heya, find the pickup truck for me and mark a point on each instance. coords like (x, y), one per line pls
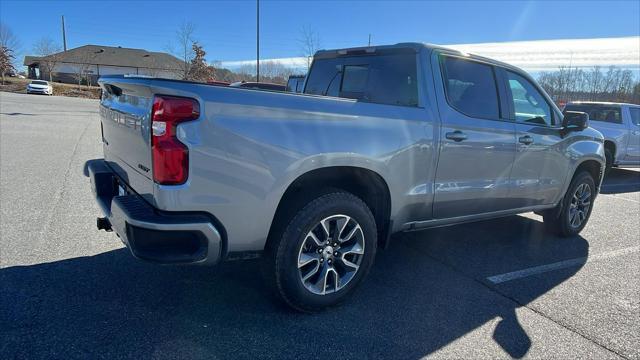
(620, 125)
(384, 139)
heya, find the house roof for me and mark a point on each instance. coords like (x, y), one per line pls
(114, 56)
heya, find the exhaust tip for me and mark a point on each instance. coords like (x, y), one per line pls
(103, 224)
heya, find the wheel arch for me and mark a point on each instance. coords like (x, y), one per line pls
(611, 145)
(593, 167)
(366, 184)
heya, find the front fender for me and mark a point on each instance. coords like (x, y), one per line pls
(587, 145)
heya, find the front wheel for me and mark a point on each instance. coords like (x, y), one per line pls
(323, 253)
(575, 208)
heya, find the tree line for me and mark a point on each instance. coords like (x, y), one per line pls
(595, 84)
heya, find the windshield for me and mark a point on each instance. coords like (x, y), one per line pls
(36, 82)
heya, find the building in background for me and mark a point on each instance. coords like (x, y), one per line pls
(85, 64)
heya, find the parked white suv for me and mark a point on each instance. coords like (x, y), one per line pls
(39, 87)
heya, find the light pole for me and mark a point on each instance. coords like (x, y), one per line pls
(258, 40)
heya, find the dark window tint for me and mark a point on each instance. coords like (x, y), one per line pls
(324, 77)
(471, 88)
(382, 79)
(598, 112)
(355, 78)
(635, 115)
(528, 103)
(291, 84)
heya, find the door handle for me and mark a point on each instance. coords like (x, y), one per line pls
(456, 136)
(527, 140)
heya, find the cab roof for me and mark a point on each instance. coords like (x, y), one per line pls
(402, 47)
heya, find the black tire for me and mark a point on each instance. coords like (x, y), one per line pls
(558, 221)
(608, 154)
(283, 251)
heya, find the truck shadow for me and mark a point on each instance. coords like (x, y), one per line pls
(424, 292)
(621, 181)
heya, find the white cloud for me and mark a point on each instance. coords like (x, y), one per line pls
(533, 56)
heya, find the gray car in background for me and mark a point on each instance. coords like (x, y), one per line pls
(384, 139)
(620, 125)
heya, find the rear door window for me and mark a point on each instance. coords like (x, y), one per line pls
(471, 88)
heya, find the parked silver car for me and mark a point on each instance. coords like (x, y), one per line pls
(384, 139)
(620, 125)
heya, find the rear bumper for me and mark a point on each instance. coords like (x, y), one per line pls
(151, 234)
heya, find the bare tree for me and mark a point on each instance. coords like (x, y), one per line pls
(275, 72)
(309, 43)
(49, 53)
(246, 72)
(183, 47)
(567, 84)
(6, 61)
(11, 42)
(8, 39)
(82, 70)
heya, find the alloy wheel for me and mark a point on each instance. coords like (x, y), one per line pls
(330, 254)
(580, 205)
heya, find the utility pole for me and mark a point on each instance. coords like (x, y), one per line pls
(369, 40)
(64, 35)
(258, 40)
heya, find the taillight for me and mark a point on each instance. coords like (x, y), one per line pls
(170, 156)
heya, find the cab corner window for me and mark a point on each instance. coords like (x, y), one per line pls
(529, 105)
(471, 88)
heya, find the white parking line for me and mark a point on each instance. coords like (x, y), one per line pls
(497, 279)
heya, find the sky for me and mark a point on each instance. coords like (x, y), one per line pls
(227, 30)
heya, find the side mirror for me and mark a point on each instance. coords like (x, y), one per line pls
(575, 121)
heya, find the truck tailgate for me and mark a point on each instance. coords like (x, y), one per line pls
(125, 111)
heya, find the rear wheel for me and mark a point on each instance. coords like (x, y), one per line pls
(575, 208)
(324, 252)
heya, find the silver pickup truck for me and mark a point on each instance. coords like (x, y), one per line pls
(384, 139)
(620, 125)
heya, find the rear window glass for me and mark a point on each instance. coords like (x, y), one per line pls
(471, 87)
(382, 79)
(597, 112)
(355, 78)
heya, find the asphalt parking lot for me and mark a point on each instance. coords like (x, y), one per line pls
(494, 289)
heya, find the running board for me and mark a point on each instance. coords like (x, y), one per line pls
(419, 225)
